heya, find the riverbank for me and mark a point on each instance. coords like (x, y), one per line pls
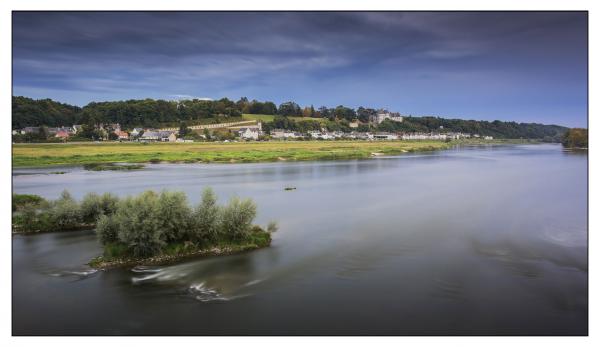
(40, 155)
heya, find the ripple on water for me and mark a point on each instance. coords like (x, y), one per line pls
(78, 274)
(201, 292)
(145, 269)
(159, 275)
(565, 236)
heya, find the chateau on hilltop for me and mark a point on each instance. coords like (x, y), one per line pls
(382, 115)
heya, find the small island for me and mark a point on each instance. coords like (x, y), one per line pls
(151, 228)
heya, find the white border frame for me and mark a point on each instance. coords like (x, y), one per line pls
(7, 6)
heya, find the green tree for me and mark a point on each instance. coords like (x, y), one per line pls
(140, 224)
(206, 218)
(175, 215)
(237, 217)
(289, 109)
(65, 212)
(91, 207)
(107, 229)
(575, 138)
(183, 129)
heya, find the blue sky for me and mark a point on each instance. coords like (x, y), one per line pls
(522, 66)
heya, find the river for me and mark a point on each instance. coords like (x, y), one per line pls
(476, 241)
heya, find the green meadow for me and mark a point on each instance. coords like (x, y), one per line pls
(37, 155)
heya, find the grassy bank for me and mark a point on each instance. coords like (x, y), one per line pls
(36, 155)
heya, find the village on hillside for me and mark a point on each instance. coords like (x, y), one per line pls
(248, 130)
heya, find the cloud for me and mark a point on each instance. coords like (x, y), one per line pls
(314, 57)
(180, 96)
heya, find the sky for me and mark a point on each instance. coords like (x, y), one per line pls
(519, 66)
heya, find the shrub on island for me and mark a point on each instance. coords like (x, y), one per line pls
(61, 214)
(150, 224)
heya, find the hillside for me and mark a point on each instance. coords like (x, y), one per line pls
(28, 112)
(164, 113)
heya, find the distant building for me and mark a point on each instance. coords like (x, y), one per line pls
(150, 136)
(488, 137)
(136, 131)
(113, 126)
(30, 130)
(358, 135)
(322, 135)
(382, 115)
(424, 136)
(385, 136)
(456, 136)
(249, 133)
(52, 131)
(284, 134)
(122, 135)
(63, 134)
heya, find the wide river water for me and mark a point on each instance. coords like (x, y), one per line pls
(481, 240)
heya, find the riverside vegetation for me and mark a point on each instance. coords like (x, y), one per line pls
(149, 228)
(37, 155)
(576, 138)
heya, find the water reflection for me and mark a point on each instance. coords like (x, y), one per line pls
(489, 240)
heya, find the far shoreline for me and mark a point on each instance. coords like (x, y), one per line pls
(45, 155)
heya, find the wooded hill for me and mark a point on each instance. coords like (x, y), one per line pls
(156, 113)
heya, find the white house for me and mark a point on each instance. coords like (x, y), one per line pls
(249, 133)
(164, 136)
(424, 136)
(135, 132)
(284, 134)
(278, 133)
(385, 136)
(150, 136)
(383, 115)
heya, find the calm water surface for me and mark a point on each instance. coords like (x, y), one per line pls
(487, 240)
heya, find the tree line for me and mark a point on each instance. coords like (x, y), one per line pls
(497, 129)
(157, 113)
